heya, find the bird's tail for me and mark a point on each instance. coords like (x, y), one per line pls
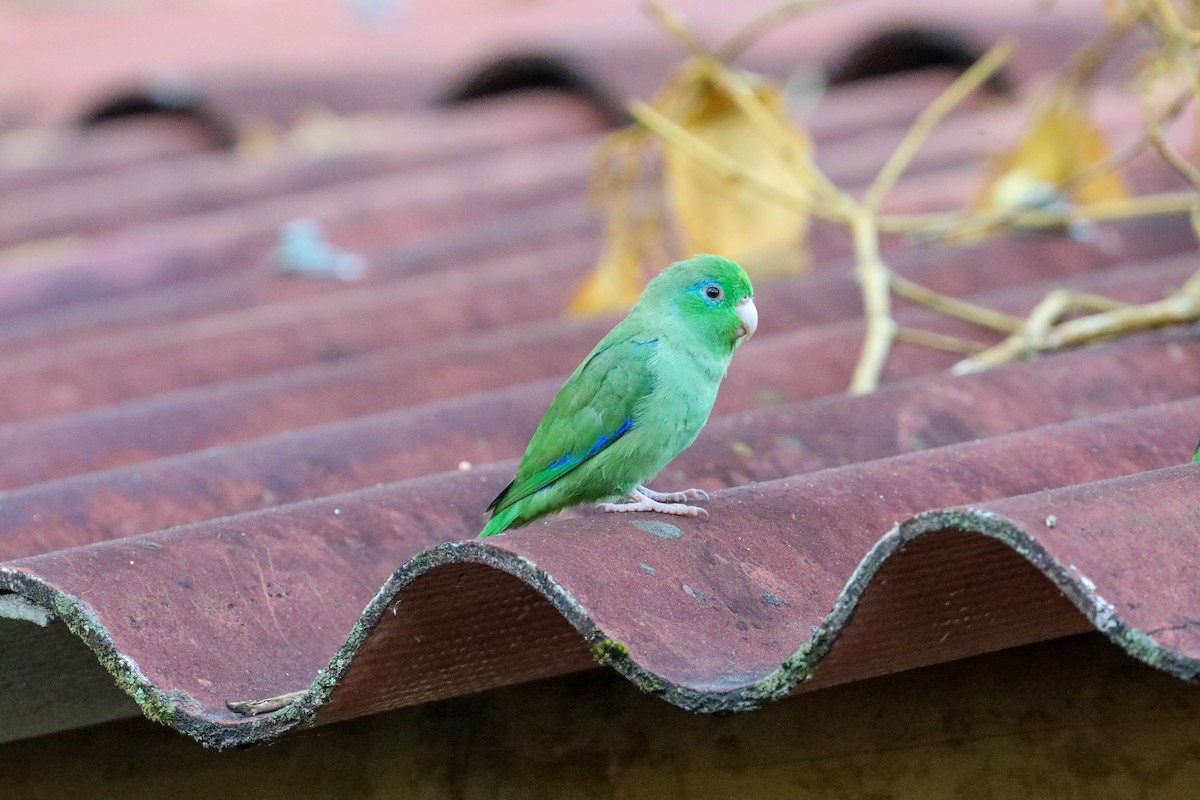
(500, 521)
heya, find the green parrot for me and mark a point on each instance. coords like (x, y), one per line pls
(637, 400)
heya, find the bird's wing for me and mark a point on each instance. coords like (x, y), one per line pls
(595, 407)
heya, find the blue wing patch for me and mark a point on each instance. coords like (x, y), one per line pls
(604, 441)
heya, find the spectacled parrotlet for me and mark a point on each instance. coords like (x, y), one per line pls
(638, 399)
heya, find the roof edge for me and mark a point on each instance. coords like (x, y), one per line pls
(183, 713)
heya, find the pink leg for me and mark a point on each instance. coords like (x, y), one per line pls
(639, 500)
(674, 497)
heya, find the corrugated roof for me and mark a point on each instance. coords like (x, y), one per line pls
(254, 497)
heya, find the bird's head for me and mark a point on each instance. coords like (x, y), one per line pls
(709, 294)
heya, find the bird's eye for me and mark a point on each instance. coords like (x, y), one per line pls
(714, 292)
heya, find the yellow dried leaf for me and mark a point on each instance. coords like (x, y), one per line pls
(1108, 185)
(714, 214)
(613, 285)
(1062, 142)
(719, 214)
(617, 279)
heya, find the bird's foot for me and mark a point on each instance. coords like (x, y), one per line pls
(638, 500)
(673, 497)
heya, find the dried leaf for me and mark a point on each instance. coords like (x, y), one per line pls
(717, 214)
(613, 285)
(1060, 144)
(740, 116)
(616, 281)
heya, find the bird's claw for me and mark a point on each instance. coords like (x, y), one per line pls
(643, 499)
(673, 497)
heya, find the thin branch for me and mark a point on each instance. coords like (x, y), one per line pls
(1169, 154)
(938, 341)
(649, 117)
(1180, 308)
(1171, 23)
(874, 280)
(949, 224)
(676, 26)
(753, 30)
(1110, 163)
(955, 93)
(1009, 350)
(951, 306)
(756, 111)
(1150, 205)
(1177, 309)
(1085, 62)
(1118, 159)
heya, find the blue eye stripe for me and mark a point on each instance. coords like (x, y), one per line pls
(699, 286)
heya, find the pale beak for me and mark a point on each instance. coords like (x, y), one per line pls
(748, 314)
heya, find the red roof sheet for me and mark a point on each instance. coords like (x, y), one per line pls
(248, 493)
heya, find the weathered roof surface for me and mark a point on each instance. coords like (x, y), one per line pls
(254, 497)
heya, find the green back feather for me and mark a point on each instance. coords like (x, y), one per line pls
(586, 416)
